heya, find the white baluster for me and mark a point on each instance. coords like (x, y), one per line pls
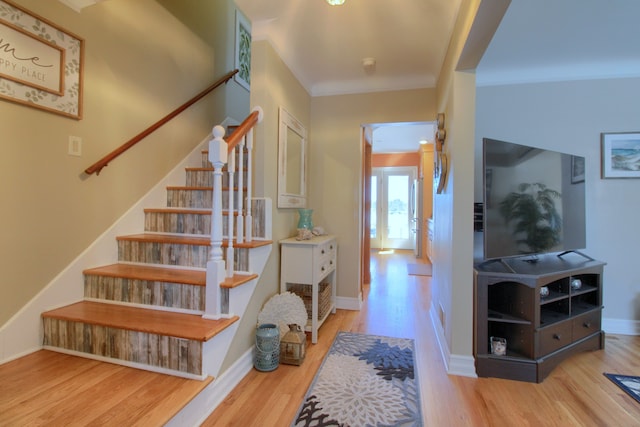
(231, 168)
(240, 218)
(248, 219)
(215, 264)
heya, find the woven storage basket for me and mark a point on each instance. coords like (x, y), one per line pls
(324, 297)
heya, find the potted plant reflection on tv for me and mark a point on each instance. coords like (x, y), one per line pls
(532, 211)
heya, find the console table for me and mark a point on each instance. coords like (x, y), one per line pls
(305, 265)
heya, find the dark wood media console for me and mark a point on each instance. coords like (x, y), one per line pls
(546, 310)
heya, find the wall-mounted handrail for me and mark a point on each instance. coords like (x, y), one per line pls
(97, 167)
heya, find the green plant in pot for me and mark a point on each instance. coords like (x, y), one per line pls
(532, 211)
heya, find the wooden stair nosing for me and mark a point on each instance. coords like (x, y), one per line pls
(192, 211)
(196, 188)
(188, 240)
(237, 280)
(150, 273)
(166, 323)
(165, 275)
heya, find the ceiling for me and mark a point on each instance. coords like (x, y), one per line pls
(541, 40)
(324, 45)
(552, 40)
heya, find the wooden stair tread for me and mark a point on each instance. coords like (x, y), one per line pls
(193, 211)
(237, 280)
(46, 387)
(197, 188)
(192, 187)
(197, 211)
(199, 169)
(188, 240)
(179, 325)
(155, 274)
(167, 238)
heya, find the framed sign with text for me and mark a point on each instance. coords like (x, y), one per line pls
(40, 63)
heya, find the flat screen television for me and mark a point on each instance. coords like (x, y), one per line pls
(534, 201)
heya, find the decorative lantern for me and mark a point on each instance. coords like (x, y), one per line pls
(293, 346)
(267, 345)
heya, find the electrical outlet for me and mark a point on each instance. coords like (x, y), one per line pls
(75, 146)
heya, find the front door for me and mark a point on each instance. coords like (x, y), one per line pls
(391, 207)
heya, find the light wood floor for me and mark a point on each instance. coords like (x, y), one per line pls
(576, 393)
(78, 392)
(47, 388)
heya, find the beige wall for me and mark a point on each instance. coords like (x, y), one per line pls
(452, 285)
(133, 75)
(335, 164)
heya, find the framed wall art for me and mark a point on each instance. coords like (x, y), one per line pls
(243, 51)
(40, 63)
(577, 169)
(620, 152)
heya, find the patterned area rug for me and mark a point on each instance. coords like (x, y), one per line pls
(630, 384)
(364, 380)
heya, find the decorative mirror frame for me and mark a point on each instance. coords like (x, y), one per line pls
(291, 170)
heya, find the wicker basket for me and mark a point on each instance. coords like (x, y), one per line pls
(324, 297)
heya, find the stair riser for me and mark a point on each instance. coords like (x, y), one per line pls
(145, 292)
(163, 253)
(199, 199)
(204, 178)
(175, 254)
(169, 222)
(137, 347)
(207, 164)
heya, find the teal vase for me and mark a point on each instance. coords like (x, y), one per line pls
(305, 220)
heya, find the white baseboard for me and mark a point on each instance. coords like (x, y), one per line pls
(621, 326)
(203, 405)
(455, 364)
(344, 303)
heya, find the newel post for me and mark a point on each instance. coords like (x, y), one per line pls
(215, 263)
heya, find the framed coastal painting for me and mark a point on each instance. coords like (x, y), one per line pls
(620, 152)
(243, 51)
(40, 63)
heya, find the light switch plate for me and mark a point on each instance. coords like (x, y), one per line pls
(75, 146)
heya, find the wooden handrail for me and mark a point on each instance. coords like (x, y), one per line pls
(97, 167)
(243, 128)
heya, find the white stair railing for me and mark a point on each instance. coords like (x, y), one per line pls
(219, 155)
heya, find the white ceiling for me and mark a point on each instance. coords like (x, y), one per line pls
(555, 40)
(537, 40)
(324, 45)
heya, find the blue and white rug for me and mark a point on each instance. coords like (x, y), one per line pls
(630, 384)
(364, 380)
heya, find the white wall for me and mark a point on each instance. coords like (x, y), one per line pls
(569, 117)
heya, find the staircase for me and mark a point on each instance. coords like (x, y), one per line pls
(149, 310)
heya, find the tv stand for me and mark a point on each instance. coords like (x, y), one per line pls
(560, 255)
(498, 260)
(541, 329)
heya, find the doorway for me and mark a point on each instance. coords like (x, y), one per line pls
(397, 141)
(392, 207)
